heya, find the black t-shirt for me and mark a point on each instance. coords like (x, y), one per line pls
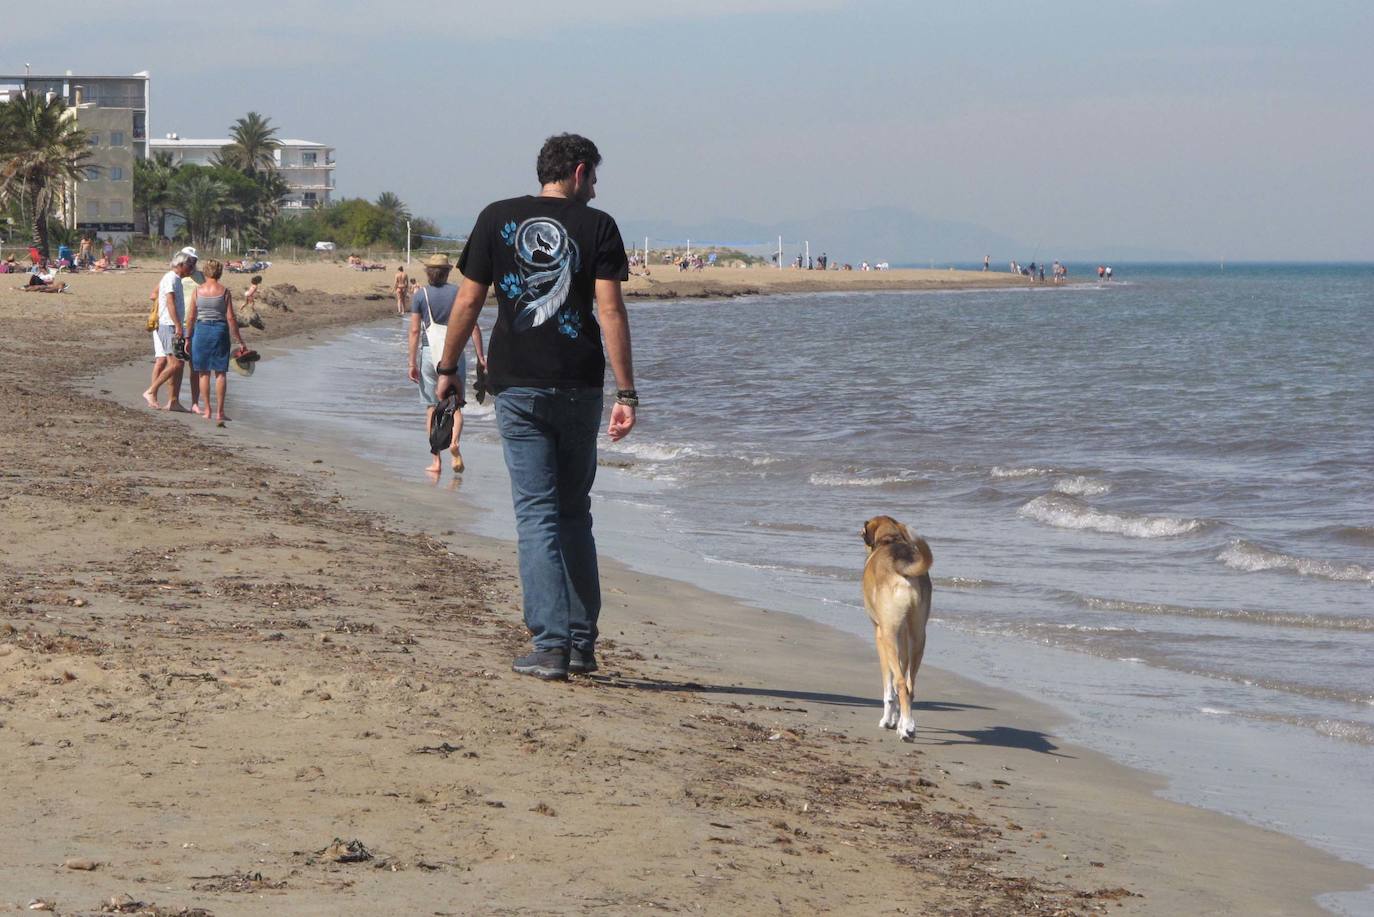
(544, 255)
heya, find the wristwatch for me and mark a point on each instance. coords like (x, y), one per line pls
(446, 370)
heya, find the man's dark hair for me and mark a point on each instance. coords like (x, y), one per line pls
(560, 155)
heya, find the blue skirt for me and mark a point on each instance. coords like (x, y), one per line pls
(210, 347)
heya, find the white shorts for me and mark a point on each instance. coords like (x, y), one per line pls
(162, 341)
(429, 378)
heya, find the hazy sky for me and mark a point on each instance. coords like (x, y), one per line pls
(1220, 128)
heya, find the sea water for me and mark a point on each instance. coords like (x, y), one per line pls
(1151, 501)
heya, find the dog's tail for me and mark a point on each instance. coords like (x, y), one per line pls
(915, 562)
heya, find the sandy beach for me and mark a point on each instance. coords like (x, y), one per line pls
(249, 674)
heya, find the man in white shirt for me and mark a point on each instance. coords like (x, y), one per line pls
(194, 278)
(171, 311)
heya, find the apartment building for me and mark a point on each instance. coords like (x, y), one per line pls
(113, 111)
(129, 92)
(306, 167)
(103, 204)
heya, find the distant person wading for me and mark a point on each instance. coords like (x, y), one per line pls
(430, 308)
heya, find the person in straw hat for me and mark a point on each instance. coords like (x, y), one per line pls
(429, 313)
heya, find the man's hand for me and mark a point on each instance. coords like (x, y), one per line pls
(622, 422)
(444, 387)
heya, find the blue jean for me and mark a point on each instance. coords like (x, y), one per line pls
(549, 439)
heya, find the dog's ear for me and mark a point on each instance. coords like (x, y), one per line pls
(910, 535)
(868, 533)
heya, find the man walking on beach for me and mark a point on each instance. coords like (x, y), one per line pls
(171, 312)
(552, 258)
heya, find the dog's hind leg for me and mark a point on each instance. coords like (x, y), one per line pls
(889, 720)
(918, 652)
(904, 675)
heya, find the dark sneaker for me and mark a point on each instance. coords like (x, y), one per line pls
(551, 665)
(582, 662)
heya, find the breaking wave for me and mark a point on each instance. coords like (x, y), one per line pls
(1067, 513)
(867, 479)
(1030, 471)
(963, 582)
(653, 452)
(1082, 486)
(1239, 615)
(1249, 557)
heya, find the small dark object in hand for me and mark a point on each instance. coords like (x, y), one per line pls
(441, 428)
(179, 349)
(479, 385)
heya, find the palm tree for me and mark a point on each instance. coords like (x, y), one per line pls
(203, 202)
(41, 150)
(252, 145)
(272, 190)
(396, 214)
(153, 188)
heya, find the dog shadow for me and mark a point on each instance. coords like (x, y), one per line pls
(992, 737)
(811, 697)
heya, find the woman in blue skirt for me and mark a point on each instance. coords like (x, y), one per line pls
(210, 322)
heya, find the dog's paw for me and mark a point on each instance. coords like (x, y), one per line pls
(888, 721)
(906, 730)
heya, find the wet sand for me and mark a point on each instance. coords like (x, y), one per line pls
(220, 651)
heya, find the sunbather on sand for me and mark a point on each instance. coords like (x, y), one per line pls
(40, 287)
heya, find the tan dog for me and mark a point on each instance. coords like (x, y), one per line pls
(897, 597)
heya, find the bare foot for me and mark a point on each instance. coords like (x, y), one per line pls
(219, 417)
(175, 407)
(151, 399)
(435, 467)
(195, 409)
(458, 466)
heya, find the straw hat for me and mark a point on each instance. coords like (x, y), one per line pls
(438, 260)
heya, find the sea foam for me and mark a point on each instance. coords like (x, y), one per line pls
(1237, 615)
(1067, 513)
(1249, 557)
(866, 479)
(653, 452)
(999, 471)
(1082, 486)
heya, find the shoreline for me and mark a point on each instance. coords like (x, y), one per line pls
(1021, 751)
(726, 282)
(751, 737)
